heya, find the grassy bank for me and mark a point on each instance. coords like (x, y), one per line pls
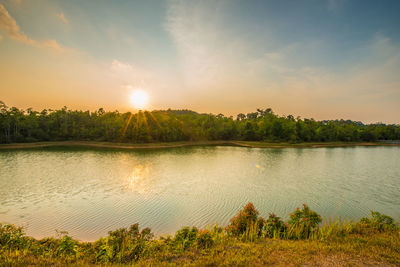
(248, 240)
(253, 144)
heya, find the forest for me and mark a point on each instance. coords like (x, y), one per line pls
(18, 126)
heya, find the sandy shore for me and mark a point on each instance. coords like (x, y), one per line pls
(252, 144)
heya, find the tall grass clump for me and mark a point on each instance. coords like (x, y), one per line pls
(336, 230)
(123, 245)
(303, 223)
(185, 237)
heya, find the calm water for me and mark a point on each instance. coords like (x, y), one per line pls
(89, 192)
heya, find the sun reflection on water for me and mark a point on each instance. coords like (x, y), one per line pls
(139, 180)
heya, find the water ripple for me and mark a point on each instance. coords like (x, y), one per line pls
(89, 193)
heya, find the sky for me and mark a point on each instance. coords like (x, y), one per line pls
(322, 59)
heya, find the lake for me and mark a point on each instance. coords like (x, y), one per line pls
(88, 192)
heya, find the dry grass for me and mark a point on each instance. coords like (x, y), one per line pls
(378, 250)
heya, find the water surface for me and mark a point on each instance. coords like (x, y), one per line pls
(88, 192)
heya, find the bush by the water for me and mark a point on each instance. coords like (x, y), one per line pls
(128, 245)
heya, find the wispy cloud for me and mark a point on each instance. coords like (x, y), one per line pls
(17, 2)
(53, 45)
(62, 17)
(221, 64)
(9, 25)
(368, 87)
(207, 53)
(128, 75)
(121, 67)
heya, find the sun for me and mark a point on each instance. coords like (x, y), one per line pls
(139, 99)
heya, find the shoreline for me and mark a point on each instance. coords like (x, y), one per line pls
(131, 146)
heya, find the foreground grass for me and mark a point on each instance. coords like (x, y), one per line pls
(255, 144)
(248, 240)
(357, 250)
(354, 250)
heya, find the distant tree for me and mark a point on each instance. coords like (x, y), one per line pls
(240, 117)
(17, 125)
(252, 116)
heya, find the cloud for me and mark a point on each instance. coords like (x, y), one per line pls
(52, 44)
(62, 17)
(11, 28)
(9, 25)
(128, 75)
(121, 67)
(208, 54)
(366, 89)
(295, 77)
(17, 2)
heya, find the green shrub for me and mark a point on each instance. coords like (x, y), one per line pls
(303, 223)
(185, 237)
(12, 237)
(123, 245)
(274, 226)
(102, 251)
(66, 247)
(377, 221)
(246, 222)
(204, 239)
(46, 247)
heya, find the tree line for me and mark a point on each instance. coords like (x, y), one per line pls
(17, 125)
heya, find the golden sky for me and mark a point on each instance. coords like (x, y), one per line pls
(325, 59)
